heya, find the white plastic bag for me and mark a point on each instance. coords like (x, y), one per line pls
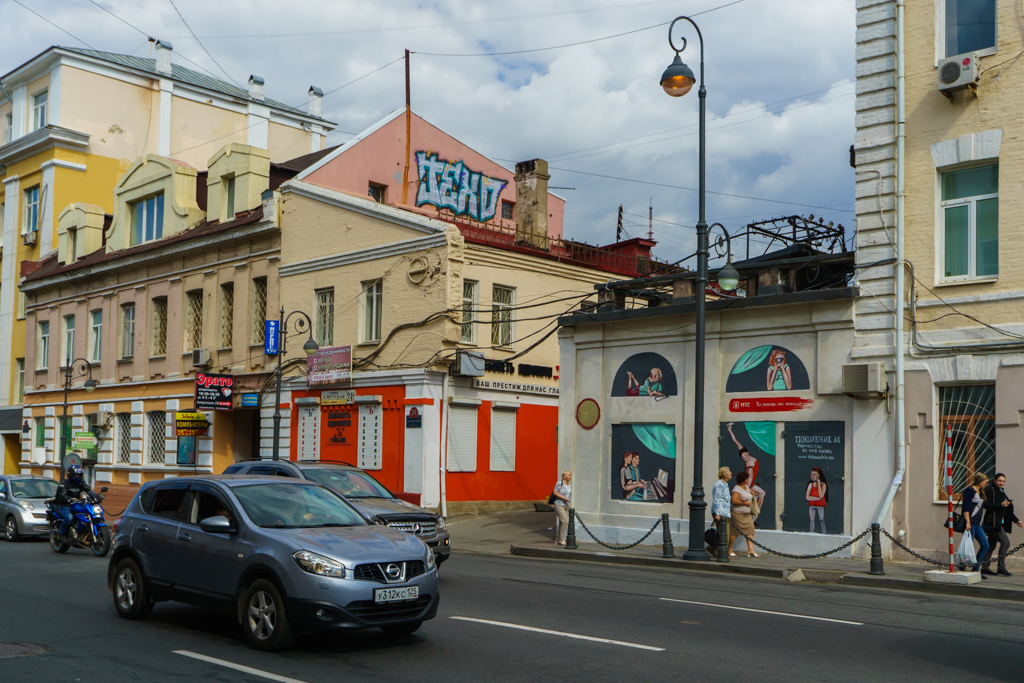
(966, 551)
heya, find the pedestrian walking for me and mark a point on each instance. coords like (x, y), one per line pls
(998, 523)
(720, 498)
(972, 501)
(741, 521)
(563, 499)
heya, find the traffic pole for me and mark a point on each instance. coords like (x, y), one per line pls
(949, 493)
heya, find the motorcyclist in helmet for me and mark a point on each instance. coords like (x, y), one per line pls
(70, 490)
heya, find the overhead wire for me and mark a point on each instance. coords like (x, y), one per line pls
(212, 58)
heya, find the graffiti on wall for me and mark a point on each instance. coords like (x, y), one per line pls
(645, 374)
(643, 463)
(448, 185)
(768, 368)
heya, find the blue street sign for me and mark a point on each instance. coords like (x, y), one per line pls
(270, 337)
(250, 400)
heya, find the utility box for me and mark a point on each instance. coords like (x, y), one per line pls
(957, 73)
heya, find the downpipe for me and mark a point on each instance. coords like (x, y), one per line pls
(443, 456)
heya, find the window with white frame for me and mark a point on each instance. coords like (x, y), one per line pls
(158, 346)
(194, 320)
(147, 216)
(40, 432)
(67, 348)
(127, 330)
(20, 363)
(227, 314)
(970, 222)
(462, 421)
(969, 26)
(502, 300)
(324, 333)
(259, 310)
(22, 305)
(156, 437)
(123, 438)
(95, 336)
(371, 301)
(39, 103)
(30, 216)
(229, 198)
(469, 289)
(8, 128)
(43, 345)
(503, 440)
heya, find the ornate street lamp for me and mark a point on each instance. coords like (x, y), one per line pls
(310, 347)
(83, 370)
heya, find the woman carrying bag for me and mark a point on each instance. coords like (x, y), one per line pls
(973, 501)
(741, 522)
(561, 499)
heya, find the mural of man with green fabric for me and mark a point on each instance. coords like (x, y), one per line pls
(643, 463)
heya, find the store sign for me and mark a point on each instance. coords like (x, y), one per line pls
(270, 337)
(250, 400)
(340, 397)
(515, 387)
(84, 440)
(190, 424)
(213, 392)
(329, 366)
(779, 404)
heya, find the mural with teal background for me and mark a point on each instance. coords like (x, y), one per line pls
(767, 368)
(643, 463)
(750, 446)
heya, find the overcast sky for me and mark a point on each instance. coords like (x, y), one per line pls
(779, 77)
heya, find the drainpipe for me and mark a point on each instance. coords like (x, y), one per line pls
(901, 437)
(443, 456)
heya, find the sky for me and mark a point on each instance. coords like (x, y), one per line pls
(779, 75)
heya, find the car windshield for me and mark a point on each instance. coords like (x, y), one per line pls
(33, 488)
(349, 483)
(287, 505)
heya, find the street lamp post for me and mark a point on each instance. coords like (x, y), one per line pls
(677, 80)
(310, 347)
(84, 370)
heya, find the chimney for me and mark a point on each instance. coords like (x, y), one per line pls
(532, 203)
(256, 87)
(163, 57)
(316, 95)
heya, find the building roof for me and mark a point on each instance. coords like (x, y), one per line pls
(299, 164)
(185, 75)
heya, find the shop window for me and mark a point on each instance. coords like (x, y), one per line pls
(462, 439)
(969, 411)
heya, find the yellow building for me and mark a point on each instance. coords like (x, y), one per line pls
(74, 121)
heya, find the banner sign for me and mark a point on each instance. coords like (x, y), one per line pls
(250, 400)
(270, 337)
(517, 387)
(190, 424)
(330, 365)
(341, 397)
(213, 392)
(84, 440)
(775, 404)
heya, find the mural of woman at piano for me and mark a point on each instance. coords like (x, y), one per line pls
(629, 477)
(651, 480)
(750, 465)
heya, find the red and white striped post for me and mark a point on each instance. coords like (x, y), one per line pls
(949, 493)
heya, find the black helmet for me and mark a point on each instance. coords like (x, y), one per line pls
(75, 471)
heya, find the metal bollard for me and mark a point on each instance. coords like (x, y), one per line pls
(876, 551)
(723, 540)
(666, 538)
(570, 536)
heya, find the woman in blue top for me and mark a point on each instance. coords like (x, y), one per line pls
(973, 501)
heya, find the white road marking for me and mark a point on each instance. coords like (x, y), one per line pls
(238, 667)
(765, 611)
(559, 633)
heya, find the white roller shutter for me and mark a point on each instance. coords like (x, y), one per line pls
(462, 439)
(503, 440)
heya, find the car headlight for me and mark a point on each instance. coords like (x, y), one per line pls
(440, 523)
(318, 564)
(431, 562)
(27, 506)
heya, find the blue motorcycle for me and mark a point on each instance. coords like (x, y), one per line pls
(88, 528)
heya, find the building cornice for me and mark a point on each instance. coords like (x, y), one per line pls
(371, 254)
(41, 140)
(366, 207)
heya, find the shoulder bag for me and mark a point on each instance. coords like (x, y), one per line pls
(959, 523)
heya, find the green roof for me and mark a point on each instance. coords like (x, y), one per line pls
(180, 73)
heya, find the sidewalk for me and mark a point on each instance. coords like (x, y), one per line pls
(529, 534)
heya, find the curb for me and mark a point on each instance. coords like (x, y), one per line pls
(989, 593)
(669, 562)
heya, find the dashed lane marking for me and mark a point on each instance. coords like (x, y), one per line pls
(563, 634)
(238, 667)
(765, 611)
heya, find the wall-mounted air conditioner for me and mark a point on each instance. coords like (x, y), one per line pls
(864, 380)
(29, 238)
(957, 73)
(201, 358)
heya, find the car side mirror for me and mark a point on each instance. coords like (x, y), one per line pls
(103, 490)
(3, 496)
(216, 525)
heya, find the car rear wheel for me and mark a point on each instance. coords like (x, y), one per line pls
(265, 618)
(130, 597)
(11, 530)
(402, 629)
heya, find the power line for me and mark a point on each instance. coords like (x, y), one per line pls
(17, 2)
(201, 44)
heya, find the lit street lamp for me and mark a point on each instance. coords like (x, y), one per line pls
(310, 347)
(84, 370)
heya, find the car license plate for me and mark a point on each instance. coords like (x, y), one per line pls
(396, 594)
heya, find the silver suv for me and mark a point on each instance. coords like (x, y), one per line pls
(283, 555)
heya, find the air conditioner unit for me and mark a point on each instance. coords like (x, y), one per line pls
(104, 419)
(957, 73)
(864, 380)
(201, 358)
(29, 238)
(468, 364)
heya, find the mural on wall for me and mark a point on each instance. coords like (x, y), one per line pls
(643, 463)
(448, 185)
(645, 375)
(768, 368)
(750, 447)
(815, 467)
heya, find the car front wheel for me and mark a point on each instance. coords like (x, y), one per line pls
(265, 618)
(11, 530)
(130, 597)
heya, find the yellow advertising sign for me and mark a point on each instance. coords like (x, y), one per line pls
(190, 424)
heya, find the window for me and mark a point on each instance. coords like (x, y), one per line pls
(501, 316)
(147, 219)
(227, 314)
(229, 198)
(376, 192)
(970, 26)
(156, 437)
(30, 216)
(159, 327)
(167, 501)
(325, 317)
(503, 440)
(43, 345)
(39, 110)
(127, 330)
(468, 304)
(40, 432)
(67, 350)
(20, 363)
(123, 429)
(8, 128)
(72, 250)
(506, 210)
(970, 207)
(194, 320)
(96, 336)
(970, 411)
(22, 305)
(462, 439)
(90, 426)
(259, 310)
(371, 305)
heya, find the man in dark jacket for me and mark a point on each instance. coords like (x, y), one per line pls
(998, 522)
(70, 490)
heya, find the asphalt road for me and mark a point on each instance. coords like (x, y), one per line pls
(689, 626)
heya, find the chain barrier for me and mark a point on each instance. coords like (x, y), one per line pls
(802, 557)
(616, 547)
(917, 555)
